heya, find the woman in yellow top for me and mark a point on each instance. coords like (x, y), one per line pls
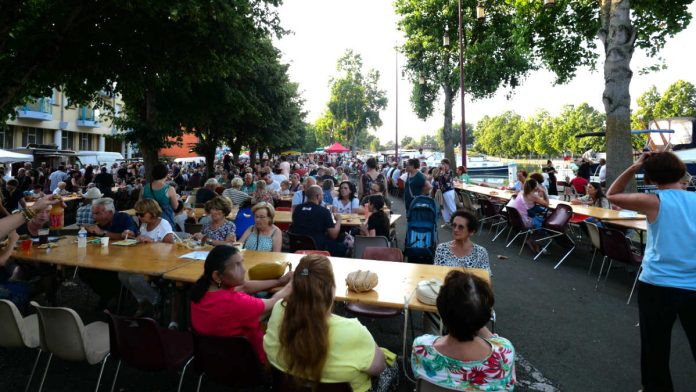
(343, 350)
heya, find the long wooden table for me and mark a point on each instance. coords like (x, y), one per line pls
(66, 199)
(286, 217)
(482, 190)
(397, 281)
(147, 259)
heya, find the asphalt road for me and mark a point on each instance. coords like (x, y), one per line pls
(568, 336)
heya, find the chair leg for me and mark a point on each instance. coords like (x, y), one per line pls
(634, 285)
(48, 364)
(200, 380)
(611, 262)
(113, 383)
(589, 271)
(564, 257)
(183, 372)
(542, 250)
(33, 369)
(526, 235)
(599, 276)
(101, 372)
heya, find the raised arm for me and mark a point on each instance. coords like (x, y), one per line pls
(648, 204)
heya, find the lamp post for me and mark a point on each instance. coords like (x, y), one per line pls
(396, 126)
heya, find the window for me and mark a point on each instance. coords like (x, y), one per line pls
(67, 140)
(32, 136)
(85, 141)
(7, 137)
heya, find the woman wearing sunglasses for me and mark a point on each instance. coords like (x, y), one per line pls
(263, 235)
(461, 251)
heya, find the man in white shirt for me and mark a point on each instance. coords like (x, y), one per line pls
(603, 172)
(284, 167)
(271, 185)
(278, 175)
(56, 177)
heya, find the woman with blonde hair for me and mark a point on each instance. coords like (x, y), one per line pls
(342, 349)
(263, 235)
(261, 194)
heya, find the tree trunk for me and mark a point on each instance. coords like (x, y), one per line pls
(252, 154)
(447, 127)
(618, 36)
(149, 151)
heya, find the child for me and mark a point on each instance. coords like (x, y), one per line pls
(285, 188)
(567, 190)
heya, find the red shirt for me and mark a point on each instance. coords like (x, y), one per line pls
(579, 184)
(230, 313)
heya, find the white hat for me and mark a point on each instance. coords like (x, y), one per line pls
(93, 193)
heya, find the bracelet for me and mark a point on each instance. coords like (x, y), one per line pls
(29, 212)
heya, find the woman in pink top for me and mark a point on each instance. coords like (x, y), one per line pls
(529, 204)
(220, 305)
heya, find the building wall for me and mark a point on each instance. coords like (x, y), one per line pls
(182, 151)
(60, 126)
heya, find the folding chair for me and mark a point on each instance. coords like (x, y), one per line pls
(616, 246)
(516, 223)
(227, 360)
(593, 233)
(144, 345)
(301, 242)
(383, 254)
(283, 382)
(556, 224)
(362, 242)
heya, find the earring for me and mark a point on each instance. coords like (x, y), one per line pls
(219, 284)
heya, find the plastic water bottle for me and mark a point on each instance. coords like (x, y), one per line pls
(82, 238)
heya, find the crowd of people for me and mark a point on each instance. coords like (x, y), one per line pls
(224, 303)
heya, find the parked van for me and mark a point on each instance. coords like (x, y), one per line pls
(98, 158)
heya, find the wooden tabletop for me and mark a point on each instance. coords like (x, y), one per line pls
(65, 199)
(598, 212)
(492, 192)
(147, 259)
(396, 280)
(640, 225)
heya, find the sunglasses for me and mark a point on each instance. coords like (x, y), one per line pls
(458, 227)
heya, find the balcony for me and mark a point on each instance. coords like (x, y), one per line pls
(40, 110)
(86, 118)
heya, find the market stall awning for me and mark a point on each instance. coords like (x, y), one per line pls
(9, 156)
(336, 148)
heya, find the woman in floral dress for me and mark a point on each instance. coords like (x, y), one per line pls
(469, 357)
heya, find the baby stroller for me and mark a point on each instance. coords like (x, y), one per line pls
(421, 233)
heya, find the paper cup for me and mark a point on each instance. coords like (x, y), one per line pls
(104, 242)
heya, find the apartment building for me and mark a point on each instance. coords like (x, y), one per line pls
(54, 120)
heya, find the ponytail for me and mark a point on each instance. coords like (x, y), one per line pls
(216, 261)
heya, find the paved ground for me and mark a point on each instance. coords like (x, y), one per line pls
(569, 337)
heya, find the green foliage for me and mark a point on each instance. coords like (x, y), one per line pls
(679, 100)
(509, 135)
(355, 101)
(407, 142)
(455, 135)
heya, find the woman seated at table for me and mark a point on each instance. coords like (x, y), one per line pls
(342, 349)
(539, 178)
(327, 186)
(529, 204)
(220, 305)
(378, 222)
(263, 235)
(152, 229)
(461, 251)
(469, 357)
(594, 197)
(346, 202)
(261, 194)
(219, 231)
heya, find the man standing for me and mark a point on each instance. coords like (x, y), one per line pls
(445, 185)
(313, 220)
(414, 182)
(56, 177)
(603, 172)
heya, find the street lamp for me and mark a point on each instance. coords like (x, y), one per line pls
(445, 38)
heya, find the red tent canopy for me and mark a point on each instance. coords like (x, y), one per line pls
(336, 147)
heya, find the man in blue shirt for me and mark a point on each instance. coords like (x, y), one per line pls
(414, 182)
(111, 224)
(313, 220)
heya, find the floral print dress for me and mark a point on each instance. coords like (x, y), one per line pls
(495, 373)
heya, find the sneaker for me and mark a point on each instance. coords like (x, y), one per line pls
(173, 325)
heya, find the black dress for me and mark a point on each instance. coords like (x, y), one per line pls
(553, 190)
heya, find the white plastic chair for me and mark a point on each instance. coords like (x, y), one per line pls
(19, 332)
(62, 333)
(593, 232)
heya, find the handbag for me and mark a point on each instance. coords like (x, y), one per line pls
(266, 271)
(428, 290)
(361, 281)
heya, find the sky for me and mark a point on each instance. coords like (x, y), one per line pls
(324, 29)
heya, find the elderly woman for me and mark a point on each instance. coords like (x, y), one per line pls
(235, 194)
(461, 251)
(262, 193)
(220, 305)
(249, 185)
(219, 231)
(263, 235)
(342, 349)
(667, 287)
(469, 357)
(152, 229)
